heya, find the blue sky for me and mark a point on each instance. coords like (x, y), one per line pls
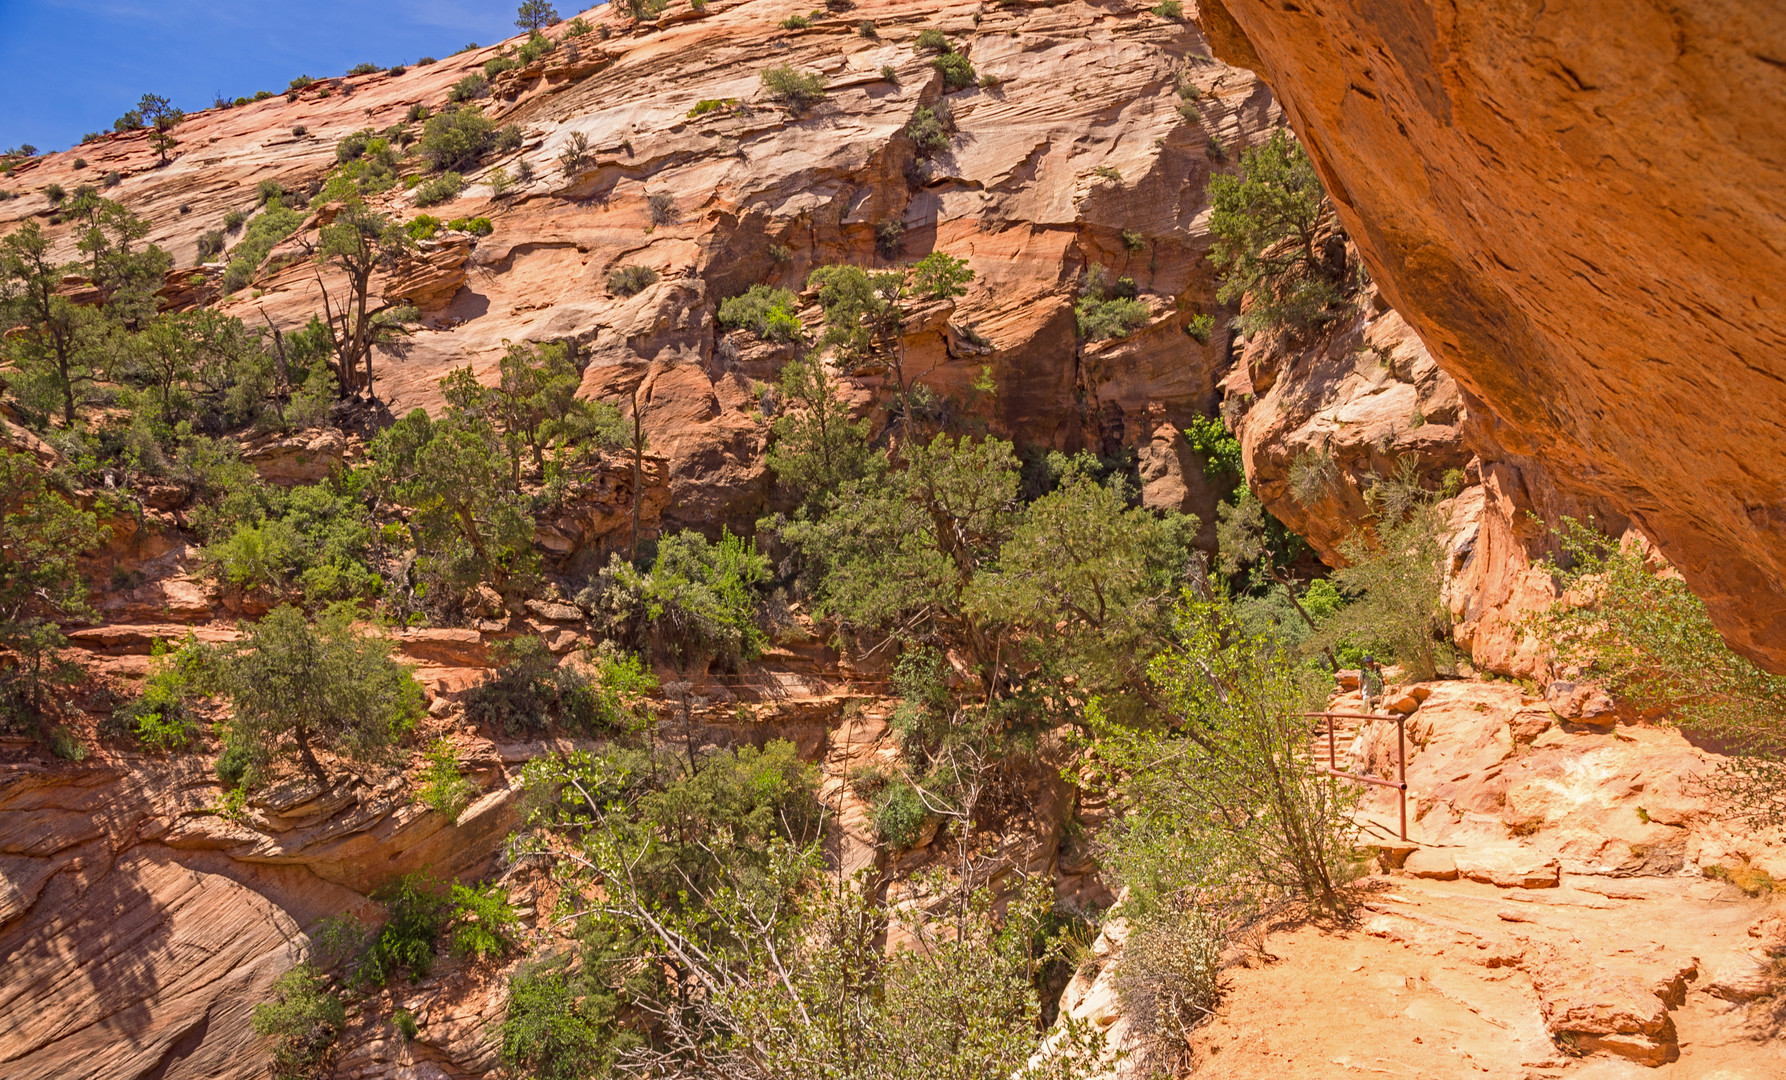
(68, 67)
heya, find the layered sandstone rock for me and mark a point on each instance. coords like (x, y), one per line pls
(1580, 209)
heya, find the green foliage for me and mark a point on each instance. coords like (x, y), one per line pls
(161, 716)
(300, 83)
(1102, 311)
(796, 89)
(1396, 572)
(957, 71)
(1201, 326)
(443, 188)
(444, 789)
(423, 227)
(560, 1023)
(324, 684)
(698, 602)
(631, 280)
(1222, 812)
(1642, 633)
(304, 1019)
(929, 131)
(415, 915)
(470, 88)
(889, 237)
(496, 65)
(313, 540)
(1169, 980)
(931, 39)
(577, 27)
(42, 535)
(484, 923)
(531, 693)
(532, 15)
(641, 10)
(795, 22)
(818, 445)
(1217, 446)
(766, 311)
(940, 276)
(364, 69)
(863, 308)
(536, 46)
(265, 229)
(477, 226)
(899, 816)
(1169, 9)
(1267, 221)
(468, 520)
(707, 105)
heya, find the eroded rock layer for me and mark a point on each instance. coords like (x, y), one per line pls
(1580, 209)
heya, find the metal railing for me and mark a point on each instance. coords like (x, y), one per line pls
(1400, 783)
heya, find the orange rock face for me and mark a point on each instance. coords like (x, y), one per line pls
(1580, 209)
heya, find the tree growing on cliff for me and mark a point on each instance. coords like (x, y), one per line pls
(359, 242)
(42, 535)
(535, 14)
(55, 353)
(1274, 240)
(301, 686)
(818, 445)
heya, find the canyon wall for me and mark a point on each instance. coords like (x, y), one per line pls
(1582, 209)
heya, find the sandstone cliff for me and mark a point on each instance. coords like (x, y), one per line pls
(1578, 207)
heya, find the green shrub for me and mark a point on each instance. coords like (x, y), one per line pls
(266, 229)
(1169, 9)
(1216, 445)
(631, 280)
(313, 539)
(404, 1020)
(300, 82)
(161, 717)
(899, 816)
(536, 46)
(889, 237)
(530, 693)
(364, 69)
(304, 1019)
(469, 88)
(210, 245)
(484, 922)
(890, 73)
(234, 220)
(496, 65)
(797, 90)
(423, 227)
(577, 27)
(55, 193)
(869, 30)
(397, 70)
(457, 139)
(415, 914)
(442, 188)
(956, 69)
(932, 40)
(1103, 311)
(477, 226)
(1169, 980)
(766, 311)
(1201, 327)
(444, 789)
(698, 601)
(707, 105)
(795, 22)
(928, 131)
(560, 1023)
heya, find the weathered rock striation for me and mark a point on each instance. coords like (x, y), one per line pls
(1580, 209)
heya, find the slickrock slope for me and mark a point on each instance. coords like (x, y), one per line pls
(1559, 915)
(1582, 210)
(1079, 142)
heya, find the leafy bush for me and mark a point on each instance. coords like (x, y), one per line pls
(364, 69)
(300, 82)
(1103, 312)
(766, 311)
(1216, 445)
(928, 131)
(443, 188)
(1169, 9)
(577, 27)
(932, 40)
(210, 245)
(445, 790)
(477, 226)
(698, 601)
(496, 65)
(415, 914)
(797, 90)
(560, 1024)
(795, 22)
(456, 139)
(530, 692)
(899, 816)
(631, 280)
(161, 717)
(470, 88)
(423, 227)
(304, 1019)
(266, 229)
(234, 220)
(889, 237)
(397, 70)
(484, 922)
(1200, 326)
(313, 539)
(957, 71)
(1645, 636)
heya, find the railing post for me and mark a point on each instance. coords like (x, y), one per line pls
(1401, 769)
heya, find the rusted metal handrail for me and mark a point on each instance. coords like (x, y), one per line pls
(1400, 783)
